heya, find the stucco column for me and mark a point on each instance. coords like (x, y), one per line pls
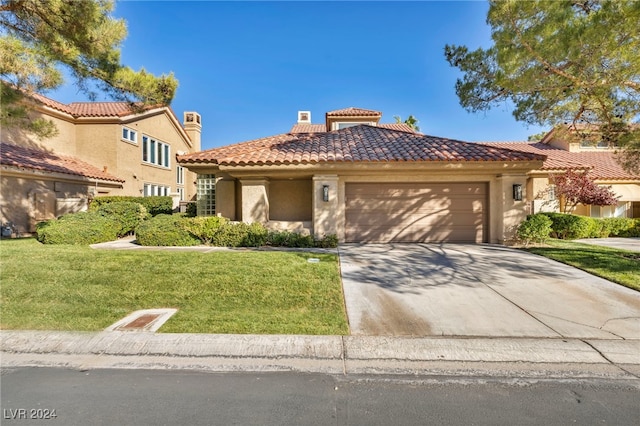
(513, 211)
(255, 200)
(225, 196)
(326, 206)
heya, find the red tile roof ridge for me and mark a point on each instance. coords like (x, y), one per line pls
(362, 143)
(39, 159)
(353, 111)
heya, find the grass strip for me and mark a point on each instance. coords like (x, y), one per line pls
(618, 266)
(56, 287)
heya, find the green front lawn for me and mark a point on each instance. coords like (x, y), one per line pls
(619, 266)
(54, 287)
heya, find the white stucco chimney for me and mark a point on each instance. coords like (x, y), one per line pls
(193, 126)
(304, 117)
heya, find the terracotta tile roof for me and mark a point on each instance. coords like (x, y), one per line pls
(402, 127)
(100, 109)
(36, 159)
(322, 128)
(51, 103)
(308, 128)
(602, 164)
(354, 144)
(354, 112)
(88, 109)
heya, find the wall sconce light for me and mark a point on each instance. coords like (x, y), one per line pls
(325, 193)
(517, 192)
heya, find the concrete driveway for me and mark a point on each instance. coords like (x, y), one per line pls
(479, 290)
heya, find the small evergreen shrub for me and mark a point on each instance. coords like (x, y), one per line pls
(128, 214)
(82, 228)
(191, 210)
(633, 230)
(155, 205)
(327, 241)
(203, 228)
(618, 226)
(290, 239)
(165, 230)
(536, 229)
(570, 226)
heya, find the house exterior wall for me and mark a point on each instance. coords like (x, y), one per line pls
(250, 199)
(26, 199)
(290, 200)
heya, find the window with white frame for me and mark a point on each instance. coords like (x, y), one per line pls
(155, 152)
(180, 191)
(180, 175)
(551, 193)
(129, 135)
(206, 204)
(151, 189)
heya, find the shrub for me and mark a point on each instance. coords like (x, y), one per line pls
(633, 230)
(165, 230)
(536, 229)
(155, 205)
(191, 210)
(78, 228)
(569, 226)
(328, 241)
(126, 213)
(618, 226)
(290, 239)
(203, 228)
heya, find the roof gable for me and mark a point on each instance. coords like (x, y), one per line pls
(36, 159)
(354, 144)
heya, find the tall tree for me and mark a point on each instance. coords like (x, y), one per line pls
(411, 121)
(39, 37)
(565, 61)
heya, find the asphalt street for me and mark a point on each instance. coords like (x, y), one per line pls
(31, 396)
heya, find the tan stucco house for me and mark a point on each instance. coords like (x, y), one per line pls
(102, 148)
(599, 161)
(367, 181)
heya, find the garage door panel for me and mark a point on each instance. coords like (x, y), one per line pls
(440, 218)
(377, 234)
(408, 212)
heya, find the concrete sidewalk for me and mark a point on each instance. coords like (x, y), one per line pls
(504, 357)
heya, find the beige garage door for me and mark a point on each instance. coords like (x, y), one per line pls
(416, 212)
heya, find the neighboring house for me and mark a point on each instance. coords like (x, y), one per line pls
(367, 181)
(598, 160)
(102, 148)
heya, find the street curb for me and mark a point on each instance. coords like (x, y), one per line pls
(324, 354)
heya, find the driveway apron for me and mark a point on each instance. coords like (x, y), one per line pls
(479, 290)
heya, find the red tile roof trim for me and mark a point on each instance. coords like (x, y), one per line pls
(602, 165)
(361, 143)
(36, 159)
(354, 112)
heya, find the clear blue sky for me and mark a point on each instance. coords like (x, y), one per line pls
(248, 67)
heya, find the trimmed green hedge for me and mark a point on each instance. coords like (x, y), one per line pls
(165, 230)
(78, 228)
(219, 232)
(155, 205)
(571, 227)
(128, 214)
(536, 229)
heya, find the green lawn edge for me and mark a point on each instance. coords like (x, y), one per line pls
(76, 288)
(616, 265)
